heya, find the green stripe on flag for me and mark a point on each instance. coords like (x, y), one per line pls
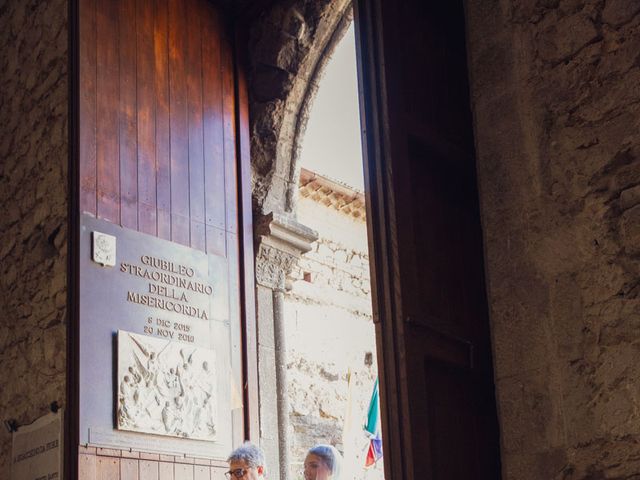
(373, 415)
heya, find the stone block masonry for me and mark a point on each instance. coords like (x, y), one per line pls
(330, 335)
(33, 198)
(557, 112)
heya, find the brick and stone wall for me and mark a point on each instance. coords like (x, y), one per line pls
(330, 334)
(33, 197)
(557, 113)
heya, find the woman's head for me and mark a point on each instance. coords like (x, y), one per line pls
(322, 463)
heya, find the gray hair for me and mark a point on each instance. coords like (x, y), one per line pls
(330, 456)
(249, 453)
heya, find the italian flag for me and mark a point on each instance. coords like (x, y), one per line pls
(372, 428)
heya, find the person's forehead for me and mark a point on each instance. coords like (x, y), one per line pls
(234, 464)
(312, 458)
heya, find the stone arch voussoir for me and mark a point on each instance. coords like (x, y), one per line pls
(290, 45)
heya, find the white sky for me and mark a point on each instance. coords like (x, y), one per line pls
(331, 145)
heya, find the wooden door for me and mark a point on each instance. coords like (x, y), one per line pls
(430, 309)
(160, 129)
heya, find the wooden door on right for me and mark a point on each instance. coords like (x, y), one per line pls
(430, 307)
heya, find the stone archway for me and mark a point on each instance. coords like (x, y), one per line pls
(289, 46)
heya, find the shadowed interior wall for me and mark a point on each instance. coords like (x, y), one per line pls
(33, 223)
(157, 139)
(557, 111)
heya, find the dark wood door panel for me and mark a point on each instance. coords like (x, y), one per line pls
(162, 108)
(440, 345)
(444, 218)
(451, 405)
(107, 114)
(438, 406)
(433, 43)
(451, 412)
(146, 107)
(157, 119)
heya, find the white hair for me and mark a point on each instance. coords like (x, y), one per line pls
(250, 454)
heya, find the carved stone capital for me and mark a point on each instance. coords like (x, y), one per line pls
(281, 240)
(273, 266)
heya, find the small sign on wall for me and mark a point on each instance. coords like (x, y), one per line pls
(36, 452)
(104, 249)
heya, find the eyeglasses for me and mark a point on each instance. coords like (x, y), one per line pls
(238, 473)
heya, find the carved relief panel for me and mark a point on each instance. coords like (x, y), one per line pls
(156, 345)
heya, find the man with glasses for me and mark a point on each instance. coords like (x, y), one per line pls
(246, 461)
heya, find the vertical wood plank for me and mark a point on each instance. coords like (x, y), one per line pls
(107, 468)
(212, 123)
(246, 257)
(129, 469)
(87, 121)
(217, 473)
(164, 223)
(202, 473)
(178, 124)
(149, 470)
(236, 334)
(146, 121)
(229, 122)
(162, 143)
(194, 112)
(183, 471)
(216, 241)
(147, 218)
(166, 471)
(107, 157)
(198, 236)
(180, 229)
(86, 467)
(213, 117)
(127, 115)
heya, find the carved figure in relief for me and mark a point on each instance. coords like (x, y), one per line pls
(206, 385)
(128, 400)
(169, 386)
(136, 376)
(164, 390)
(168, 418)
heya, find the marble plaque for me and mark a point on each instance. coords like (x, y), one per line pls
(180, 304)
(37, 449)
(166, 387)
(104, 249)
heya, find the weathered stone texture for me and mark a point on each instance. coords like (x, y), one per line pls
(557, 113)
(330, 338)
(33, 196)
(289, 47)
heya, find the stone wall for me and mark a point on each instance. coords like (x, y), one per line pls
(33, 196)
(330, 339)
(557, 113)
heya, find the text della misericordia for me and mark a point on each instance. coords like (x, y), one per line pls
(169, 286)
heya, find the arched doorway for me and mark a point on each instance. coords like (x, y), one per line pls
(434, 346)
